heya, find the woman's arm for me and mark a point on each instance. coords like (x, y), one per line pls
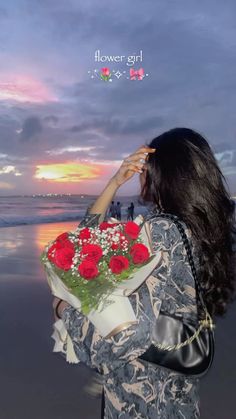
(132, 164)
(103, 201)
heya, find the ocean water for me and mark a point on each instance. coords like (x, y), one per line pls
(21, 210)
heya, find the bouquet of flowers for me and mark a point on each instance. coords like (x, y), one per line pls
(96, 267)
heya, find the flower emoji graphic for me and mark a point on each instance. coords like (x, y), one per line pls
(105, 74)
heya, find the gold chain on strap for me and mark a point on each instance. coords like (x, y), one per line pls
(205, 323)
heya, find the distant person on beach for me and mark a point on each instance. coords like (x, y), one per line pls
(112, 210)
(180, 177)
(118, 210)
(130, 214)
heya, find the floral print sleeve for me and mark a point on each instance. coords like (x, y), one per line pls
(91, 220)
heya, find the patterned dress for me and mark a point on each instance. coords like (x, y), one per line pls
(134, 388)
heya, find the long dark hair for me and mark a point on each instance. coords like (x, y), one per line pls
(183, 178)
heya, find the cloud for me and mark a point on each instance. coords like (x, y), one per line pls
(30, 128)
(9, 169)
(51, 120)
(75, 128)
(222, 147)
(229, 171)
(70, 149)
(24, 88)
(226, 158)
(115, 125)
(7, 158)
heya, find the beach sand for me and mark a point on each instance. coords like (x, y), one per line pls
(38, 384)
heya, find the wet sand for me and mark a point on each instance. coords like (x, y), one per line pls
(38, 384)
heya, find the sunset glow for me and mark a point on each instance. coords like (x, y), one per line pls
(6, 185)
(24, 89)
(67, 172)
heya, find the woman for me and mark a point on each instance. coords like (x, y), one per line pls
(178, 175)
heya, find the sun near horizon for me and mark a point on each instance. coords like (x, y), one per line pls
(67, 172)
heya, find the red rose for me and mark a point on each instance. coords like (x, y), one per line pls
(66, 243)
(62, 237)
(132, 229)
(118, 264)
(115, 246)
(51, 252)
(63, 258)
(62, 243)
(104, 225)
(139, 253)
(84, 234)
(93, 251)
(88, 269)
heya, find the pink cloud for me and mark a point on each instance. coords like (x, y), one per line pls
(24, 88)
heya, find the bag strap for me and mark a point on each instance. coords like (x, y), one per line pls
(178, 224)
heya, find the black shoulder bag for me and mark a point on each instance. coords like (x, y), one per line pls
(177, 344)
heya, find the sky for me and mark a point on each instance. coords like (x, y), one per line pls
(64, 129)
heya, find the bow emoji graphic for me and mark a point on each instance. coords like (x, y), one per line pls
(136, 73)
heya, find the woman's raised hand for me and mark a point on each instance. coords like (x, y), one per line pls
(132, 164)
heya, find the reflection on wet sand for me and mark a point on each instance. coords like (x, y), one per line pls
(10, 241)
(40, 382)
(47, 232)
